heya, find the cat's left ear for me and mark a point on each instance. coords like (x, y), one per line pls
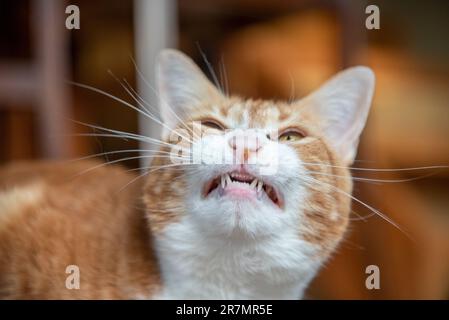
(341, 108)
(181, 87)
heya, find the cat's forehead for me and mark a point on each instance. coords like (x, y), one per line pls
(254, 113)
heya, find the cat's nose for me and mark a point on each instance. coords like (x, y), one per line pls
(248, 141)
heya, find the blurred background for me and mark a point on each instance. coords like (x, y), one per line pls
(262, 49)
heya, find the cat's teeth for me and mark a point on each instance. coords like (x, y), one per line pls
(259, 189)
(223, 181)
(253, 184)
(259, 186)
(228, 178)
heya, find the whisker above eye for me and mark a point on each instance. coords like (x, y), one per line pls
(224, 76)
(210, 68)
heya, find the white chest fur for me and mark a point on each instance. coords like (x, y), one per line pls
(195, 266)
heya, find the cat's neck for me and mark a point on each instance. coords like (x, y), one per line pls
(201, 266)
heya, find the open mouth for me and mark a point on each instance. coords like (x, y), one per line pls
(242, 184)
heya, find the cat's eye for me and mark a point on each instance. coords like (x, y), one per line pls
(291, 135)
(213, 124)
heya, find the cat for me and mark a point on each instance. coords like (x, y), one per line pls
(193, 229)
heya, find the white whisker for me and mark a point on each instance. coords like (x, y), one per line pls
(157, 152)
(123, 134)
(363, 179)
(380, 214)
(127, 159)
(149, 114)
(210, 68)
(377, 169)
(156, 93)
(154, 168)
(223, 76)
(109, 95)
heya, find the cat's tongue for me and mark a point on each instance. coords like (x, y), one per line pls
(240, 190)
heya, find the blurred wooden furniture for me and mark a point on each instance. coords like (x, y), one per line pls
(202, 23)
(155, 28)
(40, 84)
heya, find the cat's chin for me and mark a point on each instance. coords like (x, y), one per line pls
(231, 214)
(238, 208)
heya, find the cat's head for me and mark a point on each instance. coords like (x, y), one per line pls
(253, 168)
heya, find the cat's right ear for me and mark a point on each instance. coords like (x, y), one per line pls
(181, 87)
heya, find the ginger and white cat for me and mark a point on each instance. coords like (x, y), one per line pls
(196, 230)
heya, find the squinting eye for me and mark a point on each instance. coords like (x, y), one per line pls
(212, 124)
(291, 135)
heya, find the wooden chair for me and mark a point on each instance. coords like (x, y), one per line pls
(40, 83)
